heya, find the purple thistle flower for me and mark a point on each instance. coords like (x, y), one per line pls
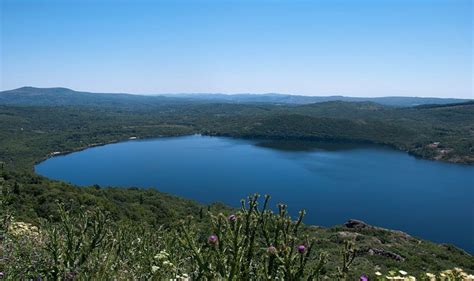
(2, 274)
(301, 249)
(232, 218)
(212, 239)
(364, 277)
(271, 250)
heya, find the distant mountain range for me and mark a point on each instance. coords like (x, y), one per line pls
(68, 97)
(297, 99)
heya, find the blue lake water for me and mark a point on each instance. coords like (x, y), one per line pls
(333, 182)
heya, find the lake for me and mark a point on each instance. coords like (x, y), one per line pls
(332, 182)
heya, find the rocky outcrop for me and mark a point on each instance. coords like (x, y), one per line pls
(384, 253)
(358, 224)
(355, 224)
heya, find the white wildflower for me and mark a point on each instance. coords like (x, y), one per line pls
(162, 255)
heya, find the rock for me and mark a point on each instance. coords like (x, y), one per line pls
(384, 253)
(356, 224)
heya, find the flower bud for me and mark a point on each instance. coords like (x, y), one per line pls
(301, 249)
(232, 218)
(212, 239)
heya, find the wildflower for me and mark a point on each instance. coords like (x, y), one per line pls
(2, 274)
(232, 218)
(162, 255)
(378, 273)
(271, 250)
(212, 239)
(301, 249)
(154, 268)
(363, 277)
(403, 272)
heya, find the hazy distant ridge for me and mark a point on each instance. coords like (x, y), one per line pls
(298, 99)
(64, 96)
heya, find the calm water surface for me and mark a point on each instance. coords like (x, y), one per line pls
(383, 187)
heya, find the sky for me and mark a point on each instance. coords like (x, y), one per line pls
(333, 47)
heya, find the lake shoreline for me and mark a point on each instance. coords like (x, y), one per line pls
(328, 140)
(209, 147)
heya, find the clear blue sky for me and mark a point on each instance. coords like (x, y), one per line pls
(353, 48)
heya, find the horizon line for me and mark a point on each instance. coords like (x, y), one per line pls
(234, 94)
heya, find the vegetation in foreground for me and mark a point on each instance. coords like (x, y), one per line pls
(84, 243)
(252, 243)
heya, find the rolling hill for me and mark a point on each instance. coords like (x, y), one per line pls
(64, 96)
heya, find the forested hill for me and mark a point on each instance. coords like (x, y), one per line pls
(31, 96)
(440, 132)
(445, 133)
(64, 96)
